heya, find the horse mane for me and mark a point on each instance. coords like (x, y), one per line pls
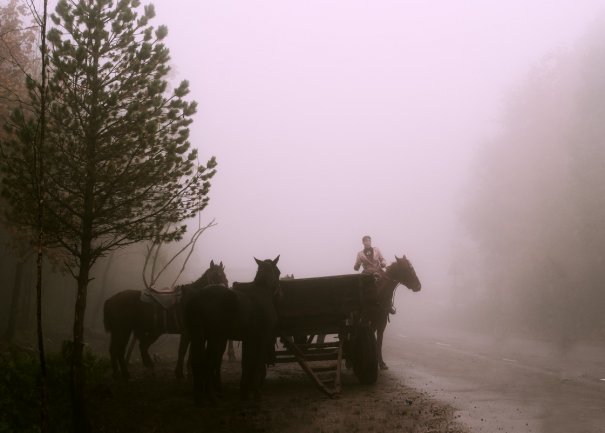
(261, 277)
(406, 267)
(204, 280)
(387, 285)
(389, 282)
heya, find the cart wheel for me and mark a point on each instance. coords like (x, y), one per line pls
(365, 360)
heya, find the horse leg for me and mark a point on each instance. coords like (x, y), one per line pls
(197, 368)
(130, 347)
(379, 337)
(121, 359)
(183, 346)
(268, 359)
(247, 368)
(117, 347)
(114, 354)
(146, 340)
(214, 357)
(259, 366)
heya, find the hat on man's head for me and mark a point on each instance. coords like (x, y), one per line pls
(368, 237)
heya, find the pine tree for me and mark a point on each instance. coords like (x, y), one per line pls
(119, 167)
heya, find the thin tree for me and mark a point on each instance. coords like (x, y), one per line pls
(17, 58)
(39, 187)
(18, 72)
(118, 164)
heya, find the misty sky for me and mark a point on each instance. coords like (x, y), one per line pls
(335, 119)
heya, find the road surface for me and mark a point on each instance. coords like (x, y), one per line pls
(506, 385)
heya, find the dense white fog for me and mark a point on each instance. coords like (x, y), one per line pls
(332, 120)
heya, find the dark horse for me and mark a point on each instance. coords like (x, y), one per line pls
(246, 313)
(400, 271)
(125, 313)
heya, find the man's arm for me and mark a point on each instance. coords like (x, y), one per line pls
(357, 262)
(381, 260)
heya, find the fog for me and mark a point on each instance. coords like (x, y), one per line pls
(332, 120)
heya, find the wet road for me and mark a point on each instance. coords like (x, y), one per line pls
(507, 385)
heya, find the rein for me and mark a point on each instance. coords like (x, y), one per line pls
(385, 302)
(387, 279)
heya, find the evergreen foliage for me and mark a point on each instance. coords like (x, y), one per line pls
(115, 165)
(117, 157)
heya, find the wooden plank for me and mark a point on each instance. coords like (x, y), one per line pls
(338, 368)
(325, 368)
(335, 295)
(332, 344)
(301, 358)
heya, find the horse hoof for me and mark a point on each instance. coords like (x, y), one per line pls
(384, 367)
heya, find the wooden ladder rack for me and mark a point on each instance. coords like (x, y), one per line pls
(312, 358)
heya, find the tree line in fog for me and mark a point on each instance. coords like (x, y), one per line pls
(536, 210)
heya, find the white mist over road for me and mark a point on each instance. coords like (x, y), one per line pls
(331, 120)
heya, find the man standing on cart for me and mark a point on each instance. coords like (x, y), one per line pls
(372, 261)
(370, 258)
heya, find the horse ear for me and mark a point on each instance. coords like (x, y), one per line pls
(212, 263)
(276, 259)
(221, 265)
(396, 258)
(258, 262)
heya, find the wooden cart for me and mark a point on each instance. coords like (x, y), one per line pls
(335, 306)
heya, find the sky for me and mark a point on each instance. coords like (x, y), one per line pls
(335, 119)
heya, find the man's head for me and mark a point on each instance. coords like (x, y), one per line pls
(367, 241)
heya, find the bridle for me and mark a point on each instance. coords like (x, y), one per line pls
(383, 275)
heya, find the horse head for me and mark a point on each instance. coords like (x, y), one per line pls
(268, 274)
(215, 274)
(403, 271)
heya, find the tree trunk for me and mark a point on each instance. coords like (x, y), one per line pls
(9, 335)
(43, 373)
(44, 419)
(81, 423)
(77, 373)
